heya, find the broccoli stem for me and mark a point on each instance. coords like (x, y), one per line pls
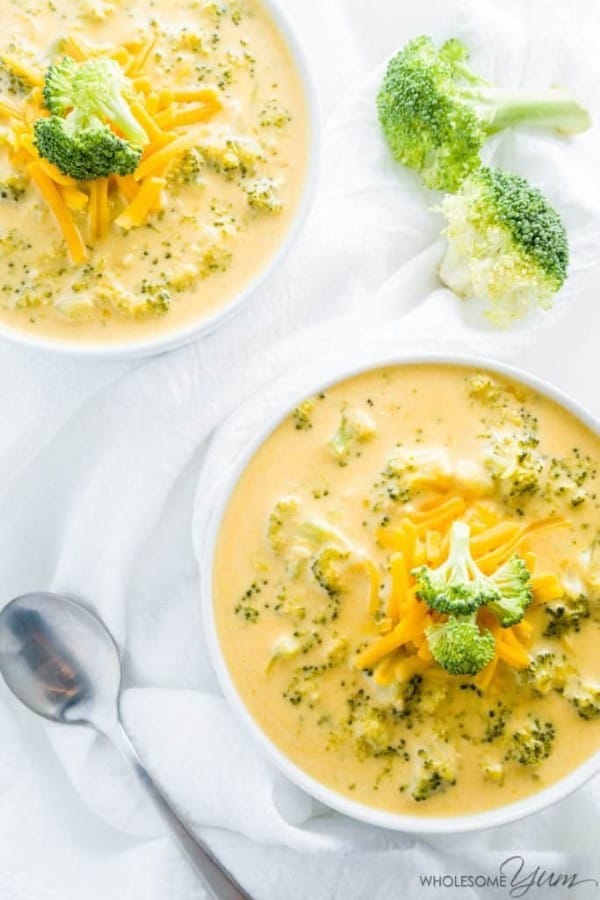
(555, 108)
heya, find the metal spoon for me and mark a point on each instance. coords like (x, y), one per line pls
(62, 662)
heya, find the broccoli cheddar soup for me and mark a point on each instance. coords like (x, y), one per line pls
(152, 159)
(407, 589)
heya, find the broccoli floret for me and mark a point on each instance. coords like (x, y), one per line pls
(298, 539)
(329, 568)
(187, 169)
(457, 586)
(410, 471)
(84, 154)
(516, 466)
(263, 196)
(566, 615)
(86, 100)
(585, 697)
(460, 646)
(231, 155)
(355, 429)
(507, 245)
(434, 774)
(285, 647)
(436, 114)
(531, 744)
(547, 671)
(514, 585)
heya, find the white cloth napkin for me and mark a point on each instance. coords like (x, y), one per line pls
(101, 465)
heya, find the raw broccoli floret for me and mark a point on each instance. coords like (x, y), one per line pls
(460, 646)
(585, 697)
(355, 429)
(548, 671)
(434, 774)
(515, 595)
(436, 114)
(566, 615)
(457, 586)
(86, 101)
(531, 744)
(507, 245)
(84, 154)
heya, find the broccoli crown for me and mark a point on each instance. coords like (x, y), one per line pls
(531, 744)
(506, 244)
(427, 125)
(94, 92)
(460, 647)
(515, 595)
(566, 615)
(457, 587)
(84, 154)
(436, 113)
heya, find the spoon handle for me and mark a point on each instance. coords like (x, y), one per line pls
(213, 874)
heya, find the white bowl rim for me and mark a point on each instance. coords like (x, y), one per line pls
(161, 343)
(501, 815)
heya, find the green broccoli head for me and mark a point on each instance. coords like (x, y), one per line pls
(84, 154)
(515, 595)
(566, 615)
(507, 245)
(531, 744)
(457, 586)
(436, 114)
(459, 645)
(90, 91)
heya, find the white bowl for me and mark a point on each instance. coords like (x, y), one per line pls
(399, 822)
(207, 324)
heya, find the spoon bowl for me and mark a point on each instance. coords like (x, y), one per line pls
(60, 660)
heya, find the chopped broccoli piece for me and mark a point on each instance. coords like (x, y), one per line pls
(547, 672)
(263, 196)
(355, 429)
(302, 415)
(13, 188)
(585, 697)
(566, 615)
(298, 539)
(410, 471)
(86, 101)
(284, 647)
(457, 587)
(436, 114)
(493, 771)
(434, 774)
(507, 245)
(459, 645)
(329, 568)
(516, 466)
(187, 169)
(531, 744)
(515, 595)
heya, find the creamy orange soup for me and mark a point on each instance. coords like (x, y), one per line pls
(217, 72)
(317, 604)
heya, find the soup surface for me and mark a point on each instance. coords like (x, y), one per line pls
(122, 258)
(320, 589)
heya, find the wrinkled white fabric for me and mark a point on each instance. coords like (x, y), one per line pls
(106, 467)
